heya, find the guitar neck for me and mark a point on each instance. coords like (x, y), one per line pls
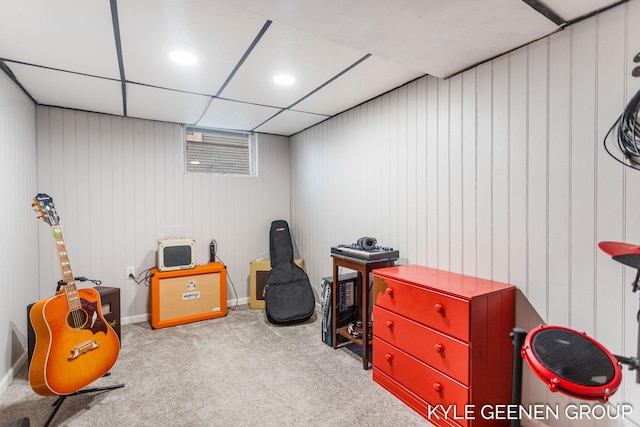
(65, 269)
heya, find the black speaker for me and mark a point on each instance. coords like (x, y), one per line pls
(31, 336)
(110, 299)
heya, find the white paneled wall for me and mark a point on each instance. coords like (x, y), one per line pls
(118, 185)
(498, 172)
(18, 251)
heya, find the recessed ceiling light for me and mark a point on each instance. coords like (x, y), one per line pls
(284, 79)
(183, 57)
(195, 162)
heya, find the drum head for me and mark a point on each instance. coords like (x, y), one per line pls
(572, 363)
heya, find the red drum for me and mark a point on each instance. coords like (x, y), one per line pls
(572, 363)
(625, 253)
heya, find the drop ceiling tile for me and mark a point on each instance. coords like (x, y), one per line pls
(312, 60)
(437, 37)
(235, 115)
(315, 41)
(289, 122)
(572, 9)
(367, 80)
(146, 102)
(74, 35)
(69, 90)
(217, 34)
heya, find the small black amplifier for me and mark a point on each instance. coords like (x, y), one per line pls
(347, 295)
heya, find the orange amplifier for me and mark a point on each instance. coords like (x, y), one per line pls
(183, 296)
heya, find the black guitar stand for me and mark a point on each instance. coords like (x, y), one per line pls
(634, 362)
(629, 255)
(517, 336)
(62, 283)
(60, 400)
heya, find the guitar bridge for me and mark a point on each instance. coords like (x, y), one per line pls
(83, 348)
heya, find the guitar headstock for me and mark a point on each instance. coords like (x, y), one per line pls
(43, 204)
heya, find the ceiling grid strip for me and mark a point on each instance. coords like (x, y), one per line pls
(116, 34)
(341, 73)
(263, 30)
(8, 72)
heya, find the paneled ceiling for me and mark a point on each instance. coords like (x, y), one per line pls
(113, 56)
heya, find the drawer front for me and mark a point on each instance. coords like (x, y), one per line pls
(445, 313)
(429, 384)
(440, 351)
(435, 415)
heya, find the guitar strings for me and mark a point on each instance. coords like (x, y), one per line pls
(77, 320)
(74, 319)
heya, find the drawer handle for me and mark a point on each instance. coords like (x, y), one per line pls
(389, 324)
(439, 348)
(389, 356)
(437, 387)
(388, 292)
(439, 308)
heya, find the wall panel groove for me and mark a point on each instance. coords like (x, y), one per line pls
(119, 186)
(511, 181)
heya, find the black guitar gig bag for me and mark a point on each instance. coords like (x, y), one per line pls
(288, 294)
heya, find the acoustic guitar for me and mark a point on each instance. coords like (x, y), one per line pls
(75, 345)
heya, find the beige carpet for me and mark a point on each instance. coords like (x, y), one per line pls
(238, 370)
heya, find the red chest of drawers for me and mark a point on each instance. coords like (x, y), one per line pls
(441, 343)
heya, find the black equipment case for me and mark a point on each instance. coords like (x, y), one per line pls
(288, 294)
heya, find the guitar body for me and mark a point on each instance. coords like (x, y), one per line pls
(73, 348)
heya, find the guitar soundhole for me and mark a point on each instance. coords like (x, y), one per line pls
(77, 319)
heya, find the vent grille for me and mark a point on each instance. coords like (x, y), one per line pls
(217, 152)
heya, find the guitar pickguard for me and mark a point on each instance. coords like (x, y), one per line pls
(94, 322)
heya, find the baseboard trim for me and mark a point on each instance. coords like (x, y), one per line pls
(135, 319)
(6, 381)
(139, 318)
(238, 302)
